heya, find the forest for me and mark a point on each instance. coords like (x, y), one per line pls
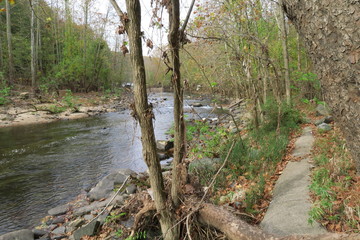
(282, 78)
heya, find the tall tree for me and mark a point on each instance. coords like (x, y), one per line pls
(179, 124)
(331, 33)
(1, 50)
(284, 42)
(33, 4)
(9, 43)
(143, 113)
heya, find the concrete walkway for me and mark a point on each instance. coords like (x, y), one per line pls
(288, 211)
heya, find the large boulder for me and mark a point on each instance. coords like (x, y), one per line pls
(105, 187)
(23, 234)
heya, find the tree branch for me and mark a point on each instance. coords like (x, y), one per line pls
(117, 8)
(182, 29)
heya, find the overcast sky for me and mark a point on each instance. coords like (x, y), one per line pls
(158, 36)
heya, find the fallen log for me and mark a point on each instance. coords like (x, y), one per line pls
(236, 229)
(233, 227)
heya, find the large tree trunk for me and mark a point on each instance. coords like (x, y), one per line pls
(9, 43)
(331, 33)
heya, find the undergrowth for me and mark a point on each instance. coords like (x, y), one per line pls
(254, 158)
(335, 186)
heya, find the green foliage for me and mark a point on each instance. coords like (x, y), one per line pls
(4, 91)
(138, 236)
(290, 117)
(210, 138)
(114, 218)
(54, 109)
(69, 99)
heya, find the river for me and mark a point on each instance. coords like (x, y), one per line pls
(43, 166)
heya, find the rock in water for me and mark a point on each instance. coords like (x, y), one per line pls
(23, 234)
(106, 186)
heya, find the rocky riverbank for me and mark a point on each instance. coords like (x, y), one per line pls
(23, 110)
(94, 212)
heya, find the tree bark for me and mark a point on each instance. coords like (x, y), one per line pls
(284, 42)
(179, 125)
(331, 33)
(144, 114)
(9, 43)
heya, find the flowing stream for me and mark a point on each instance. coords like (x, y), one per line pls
(43, 166)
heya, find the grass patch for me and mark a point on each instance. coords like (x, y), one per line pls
(335, 186)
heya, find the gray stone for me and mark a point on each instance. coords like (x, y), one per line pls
(59, 210)
(288, 211)
(103, 217)
(131, 189)
(196, 105)
(323, 110)
(162, 156)
(88, 217)
(160, 145)
(59, 230)
(320, 121)
(60, 219)
(76, 223)
(128, 223)
(88, 230)
(86, 209)
(39, 233)
(119, 199)
(23, 234)
(203, 164)
(324, 127)
(59, 237)
(106, 186)
(45, 237)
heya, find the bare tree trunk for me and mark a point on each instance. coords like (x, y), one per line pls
(38, 41)
(9, 43)
(283, 30)
(298, 52)
(1, 51)
(179, 124)
(33, 3)
(331, 33)
(144, 114)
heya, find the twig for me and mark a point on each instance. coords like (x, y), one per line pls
(117, 192)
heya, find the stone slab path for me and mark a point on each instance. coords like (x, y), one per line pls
(288, 211)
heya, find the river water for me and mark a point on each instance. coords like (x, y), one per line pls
(43, 166)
